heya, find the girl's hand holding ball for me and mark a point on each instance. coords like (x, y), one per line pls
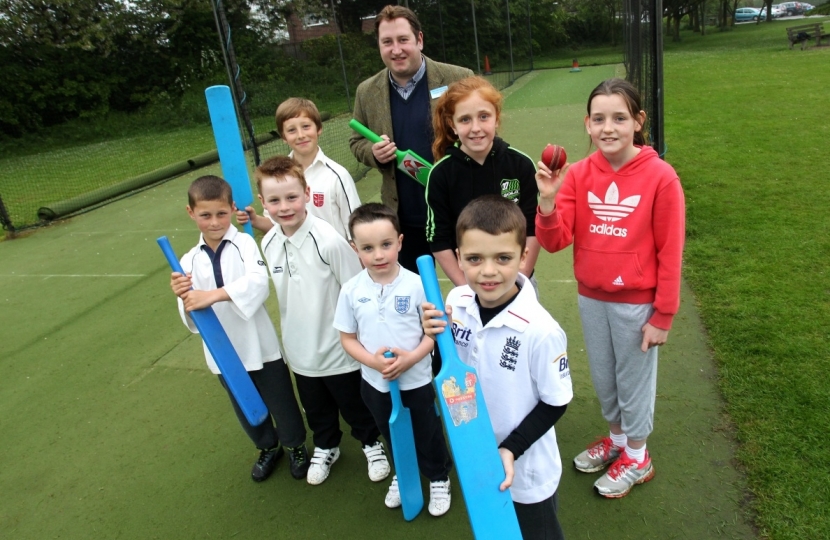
(550, 175)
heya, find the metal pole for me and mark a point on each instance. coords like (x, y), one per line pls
(510, 41)
(342, 61)
(441, 26)
(475, 34)
(530, 35)
(659, 136)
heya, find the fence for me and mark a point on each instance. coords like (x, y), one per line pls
(492, 38)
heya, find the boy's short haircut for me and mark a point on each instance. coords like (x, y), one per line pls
(296, 107)
(370, 212)
(279, 167)
(494, 215)
(209, 188)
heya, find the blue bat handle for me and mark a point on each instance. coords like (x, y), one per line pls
(221, 348)
(426, 268)
(394, 387)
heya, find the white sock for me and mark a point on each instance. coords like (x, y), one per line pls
(637, 454)
(619, 440)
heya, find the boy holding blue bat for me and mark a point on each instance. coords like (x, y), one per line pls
(227, 273)
(378, 311)
(309, 262)
(519, 352)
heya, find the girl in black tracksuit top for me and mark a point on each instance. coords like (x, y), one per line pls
(457, 177)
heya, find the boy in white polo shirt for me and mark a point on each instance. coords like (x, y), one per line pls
(519, 352)
(333, 193)
(226, 271)
(378, 311)
(309, 262)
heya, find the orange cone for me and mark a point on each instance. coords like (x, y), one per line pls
(575, 67)
(487, 65)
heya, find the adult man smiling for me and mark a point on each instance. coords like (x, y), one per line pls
(397, 104)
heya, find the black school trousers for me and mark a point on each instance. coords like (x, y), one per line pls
(326, 398)
(430, 446)
(538, 521)
(285, 422)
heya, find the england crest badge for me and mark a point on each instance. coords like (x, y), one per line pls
(402, 304)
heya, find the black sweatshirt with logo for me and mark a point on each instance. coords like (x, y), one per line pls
(457, 179)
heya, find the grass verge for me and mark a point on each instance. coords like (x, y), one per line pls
(746, 130)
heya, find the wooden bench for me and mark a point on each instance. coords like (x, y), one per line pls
(804, 33)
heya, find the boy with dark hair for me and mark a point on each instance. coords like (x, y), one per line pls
(378, 311)
(519, 352)
(226, 271)
(333, 193)
(309, 262)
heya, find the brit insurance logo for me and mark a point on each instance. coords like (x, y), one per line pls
(610, 210)
(461, 334)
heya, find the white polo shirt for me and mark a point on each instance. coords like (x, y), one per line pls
(333, 193)
(385, 316)
(308, 268)
(244, 318)
(521, 358)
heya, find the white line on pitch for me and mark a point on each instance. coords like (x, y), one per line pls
(70, 275)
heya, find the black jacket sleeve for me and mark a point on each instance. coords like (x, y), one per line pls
(528, 192)
(440, 221)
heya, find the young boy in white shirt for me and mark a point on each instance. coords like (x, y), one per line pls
(226, 271)
(519, 352)
(378, 311)
(333, 193)
(309, 262)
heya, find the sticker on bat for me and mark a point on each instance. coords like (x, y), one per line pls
(461, 403)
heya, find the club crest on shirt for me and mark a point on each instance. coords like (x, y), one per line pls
(402, 304)
(510, 353)
(461, 402)
(510, 189)
(319, 198)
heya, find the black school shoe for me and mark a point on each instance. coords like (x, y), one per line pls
(266, 463)
(298, 458)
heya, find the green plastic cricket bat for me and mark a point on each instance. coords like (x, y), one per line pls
(408, 161)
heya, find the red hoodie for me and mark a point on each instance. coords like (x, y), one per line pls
(627, 227)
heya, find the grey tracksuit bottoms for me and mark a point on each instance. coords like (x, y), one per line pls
(624, 377)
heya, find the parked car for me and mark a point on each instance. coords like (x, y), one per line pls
(776, 12)
(748, 14)
(807, 7)
(793, 8)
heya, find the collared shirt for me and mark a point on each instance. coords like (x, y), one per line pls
(385, 316)
(245, 277)
(521, 358)
(407, 89)
(333, 193)
(308, 269)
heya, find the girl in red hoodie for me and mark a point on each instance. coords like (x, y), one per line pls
(623, 209)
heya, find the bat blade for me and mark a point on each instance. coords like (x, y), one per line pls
(469, 431)
(221, 348)
(403, 450)
(229, 146)
(408, 161)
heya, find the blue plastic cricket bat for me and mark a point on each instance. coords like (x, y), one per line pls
(229, 146)
(403, 450)
(472, 441)
(220, 347)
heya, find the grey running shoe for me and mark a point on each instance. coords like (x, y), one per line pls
(598, 455)
(624, 474)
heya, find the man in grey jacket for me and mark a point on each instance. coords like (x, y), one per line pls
(396, 103)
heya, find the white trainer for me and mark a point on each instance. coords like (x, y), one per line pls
(377, 462)
(439, 497)
(321, 463)
(393, 496)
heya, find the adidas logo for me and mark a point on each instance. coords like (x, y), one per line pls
(612, 209)
(619, 282)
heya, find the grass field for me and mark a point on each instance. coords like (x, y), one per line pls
(746, 124)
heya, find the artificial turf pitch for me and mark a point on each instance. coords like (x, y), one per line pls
(111, 425)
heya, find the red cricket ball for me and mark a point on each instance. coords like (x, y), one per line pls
(554, 157)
